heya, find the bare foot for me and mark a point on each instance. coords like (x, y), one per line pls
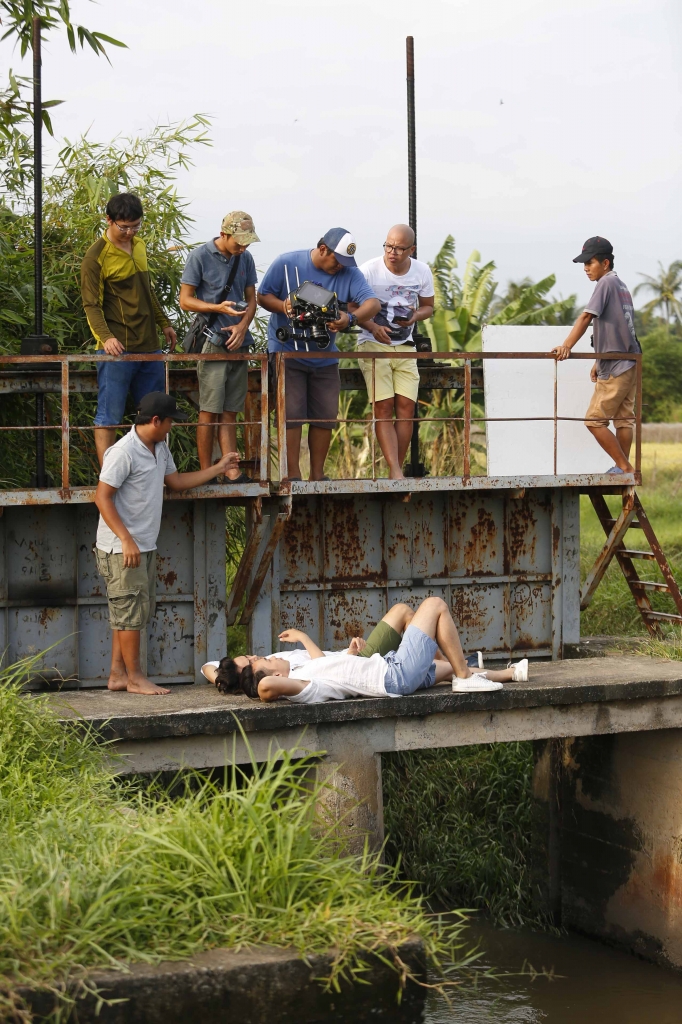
(140, 684)
(396, 474)
(118, 681)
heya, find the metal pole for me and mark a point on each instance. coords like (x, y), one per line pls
(38, 238)
(411, 152)
(416, 467)
(37, 180)
(38, 343)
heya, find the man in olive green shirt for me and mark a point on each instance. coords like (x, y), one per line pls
(124, 315)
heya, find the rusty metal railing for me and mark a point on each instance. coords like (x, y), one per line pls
(466, 419)
(63, 364)
(449, 371)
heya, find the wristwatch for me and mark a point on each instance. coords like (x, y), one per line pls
(352, 321)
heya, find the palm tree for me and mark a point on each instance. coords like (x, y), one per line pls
(464, 305)
(666, 288)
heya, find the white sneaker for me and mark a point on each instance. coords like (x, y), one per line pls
(520, 671)
(474, 684)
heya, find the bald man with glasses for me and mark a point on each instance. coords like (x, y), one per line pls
(404, 287)
(124, 315)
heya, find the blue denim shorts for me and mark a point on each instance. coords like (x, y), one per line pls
(116, 379)
(411, 667)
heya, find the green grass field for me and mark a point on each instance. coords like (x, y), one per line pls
(613, 611)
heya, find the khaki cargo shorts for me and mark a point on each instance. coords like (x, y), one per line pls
(391, 376)
(614, 399)
(131, 593)
(222, 384)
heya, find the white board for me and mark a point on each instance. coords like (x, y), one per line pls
(519, 388)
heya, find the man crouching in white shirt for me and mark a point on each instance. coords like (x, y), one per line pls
(411, 667)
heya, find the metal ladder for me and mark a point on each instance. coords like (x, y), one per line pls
(633, 517)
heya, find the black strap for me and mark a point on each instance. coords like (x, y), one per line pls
(226, 290)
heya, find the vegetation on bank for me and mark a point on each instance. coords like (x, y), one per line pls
(613, 611)
(99, 873)
(459, 822)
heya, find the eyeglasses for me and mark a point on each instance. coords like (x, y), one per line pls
(125, 229)
(399, 249)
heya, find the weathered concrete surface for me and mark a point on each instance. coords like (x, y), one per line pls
(200, 711)
(259, 986)
(609, 830)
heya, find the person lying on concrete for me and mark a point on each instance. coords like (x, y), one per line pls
(413, 666)
(385, 637)
(611, 312)
(129, 497)
(404, 287)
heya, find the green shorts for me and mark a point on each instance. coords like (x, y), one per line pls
(131, 593)
(222, 385)
(381, 640)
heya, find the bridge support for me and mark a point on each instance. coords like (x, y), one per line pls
(609, 810)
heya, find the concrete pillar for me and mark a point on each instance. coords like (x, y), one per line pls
(608, 843)
(353, 772)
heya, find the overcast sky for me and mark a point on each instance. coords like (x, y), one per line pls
(539, 122)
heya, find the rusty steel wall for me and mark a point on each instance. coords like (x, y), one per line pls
(51, 593)
(507, 564)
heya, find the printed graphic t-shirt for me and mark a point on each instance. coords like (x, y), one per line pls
(398, 294)
(613, 330)
(349, 285)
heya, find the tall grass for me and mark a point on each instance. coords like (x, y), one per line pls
(95, 872)
(460, 819)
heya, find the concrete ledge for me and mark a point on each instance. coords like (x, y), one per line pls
(200, 711)
(259, 986)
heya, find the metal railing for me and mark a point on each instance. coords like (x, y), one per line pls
(446, 371)
(466, 419)
(68, 377)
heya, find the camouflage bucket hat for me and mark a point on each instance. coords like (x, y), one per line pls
(240, 226)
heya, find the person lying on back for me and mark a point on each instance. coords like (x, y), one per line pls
(385, 637)
(411, 667)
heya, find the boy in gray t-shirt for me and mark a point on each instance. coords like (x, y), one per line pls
(611, 311)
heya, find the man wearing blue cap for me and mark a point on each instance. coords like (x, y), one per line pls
(312, 385)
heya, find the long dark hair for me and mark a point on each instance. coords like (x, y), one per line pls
(231, 679)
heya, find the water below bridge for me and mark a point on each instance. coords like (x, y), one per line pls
(590, 982)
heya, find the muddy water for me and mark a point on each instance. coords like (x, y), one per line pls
(592, 984)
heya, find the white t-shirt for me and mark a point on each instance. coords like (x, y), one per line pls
(295, 658)
(339, 677)
(398, 294)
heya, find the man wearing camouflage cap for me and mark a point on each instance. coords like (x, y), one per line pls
(222, 385)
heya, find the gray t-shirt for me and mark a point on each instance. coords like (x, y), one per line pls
(207, 271)
(613, 330)
(138, 476)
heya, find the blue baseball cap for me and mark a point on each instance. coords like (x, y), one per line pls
(342, 244)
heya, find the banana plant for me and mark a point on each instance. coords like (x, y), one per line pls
(464, 305)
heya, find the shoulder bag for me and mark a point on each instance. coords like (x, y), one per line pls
(193, 342)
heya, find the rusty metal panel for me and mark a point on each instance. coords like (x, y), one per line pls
(51, 595)
(529, 533)
(476, 530)
(499, 558)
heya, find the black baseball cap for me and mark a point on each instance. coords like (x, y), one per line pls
(158, 403)
(595, 246)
